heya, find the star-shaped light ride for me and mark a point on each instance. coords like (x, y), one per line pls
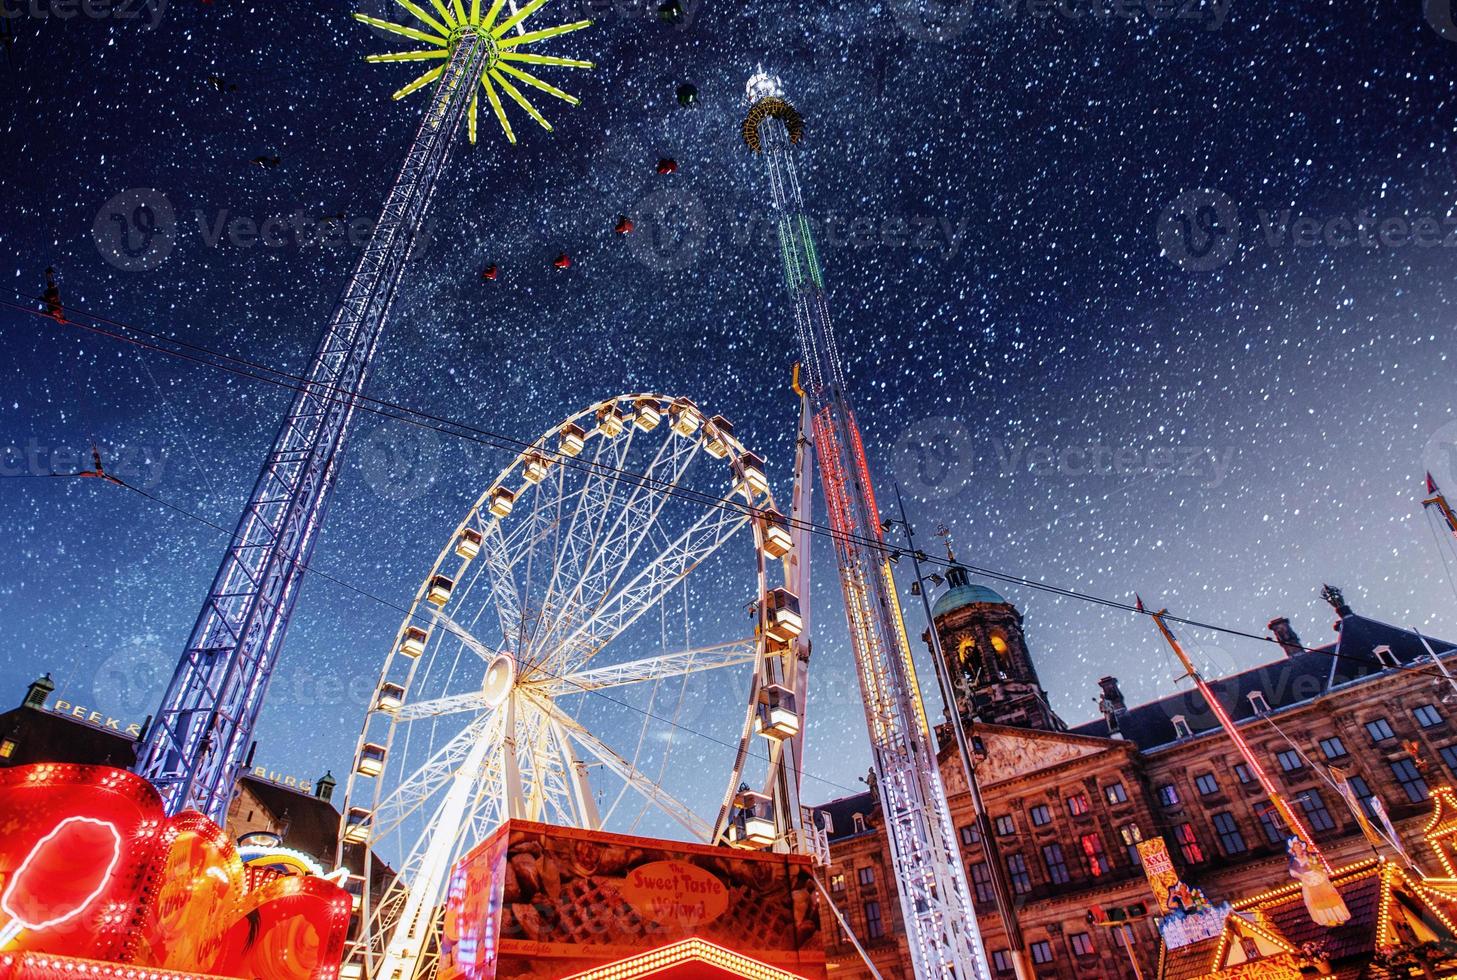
(504, 58)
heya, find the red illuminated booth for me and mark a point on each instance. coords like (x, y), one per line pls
(97, 883)
(538, 902)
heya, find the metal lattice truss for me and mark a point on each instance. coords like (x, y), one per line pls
(195, 749)
(935, 903)
(505, 37)
(544, 668)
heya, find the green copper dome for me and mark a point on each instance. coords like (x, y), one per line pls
(962, 593)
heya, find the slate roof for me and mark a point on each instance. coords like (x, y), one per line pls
(842, 815)
(1285, 682)
(313, 823)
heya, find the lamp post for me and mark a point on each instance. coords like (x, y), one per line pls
(1001, 888)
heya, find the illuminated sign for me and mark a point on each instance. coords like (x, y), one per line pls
(99, 719)
(1159, 867)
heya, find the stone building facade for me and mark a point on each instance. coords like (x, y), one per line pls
(1068, 804)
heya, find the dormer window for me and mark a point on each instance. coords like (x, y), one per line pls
(1385, 657)
(1181, 727)
(1258, 703)
(859, 822)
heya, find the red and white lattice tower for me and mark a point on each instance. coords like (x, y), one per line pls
(941, 928)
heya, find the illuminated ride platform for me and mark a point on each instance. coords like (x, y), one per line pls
(539, 902)
(98, 883)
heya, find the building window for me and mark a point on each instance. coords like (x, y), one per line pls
(1379, 730)
(1002, 960)
(1317, 817)
(1017, 872)
(7, 748)
(1041, 952)
(1449, 756)
(1206, 783)
(866, 876)
(969, 836)
(837, 882)
(1041, 815)
(981, 883)
(1131, 836)
(1272, 823)
(1056, 864)
(1097, 858)
(1115, 793)
(858, 821)
(1189, 843)
(1006, 826)
(1290, 760)
(1427, 716)
(1333, 748)
(1081, 943)
(1363, 793)
(1230, 838)
(1411, 780)
(1169, 794)
(1258, 704)
(874, 927)
(1243, 774)
(1181, 727)
(1077, 805)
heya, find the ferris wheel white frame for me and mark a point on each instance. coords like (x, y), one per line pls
(523, 756)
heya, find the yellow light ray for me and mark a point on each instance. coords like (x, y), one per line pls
(420, 82)
(493, 13)
(385, 25)
(408, 56)
(475, 11)
(444, 13)
(460, 11)
(544, 59)
(471, 117)
(520, 99)
(425, 18)
(528, 38)
(496, 105)
(535, 82)
(521, 14)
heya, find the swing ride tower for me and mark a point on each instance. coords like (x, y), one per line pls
(942, 932)
(200, 739)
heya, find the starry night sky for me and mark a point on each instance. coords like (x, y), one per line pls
(1256, 428)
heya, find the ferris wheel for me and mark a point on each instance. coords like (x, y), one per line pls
(592, 648)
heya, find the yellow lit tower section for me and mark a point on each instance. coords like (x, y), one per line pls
(940, 926)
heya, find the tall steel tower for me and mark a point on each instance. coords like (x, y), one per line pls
(941, 927)
(200, 739)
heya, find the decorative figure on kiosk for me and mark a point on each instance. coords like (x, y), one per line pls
(1322, 901)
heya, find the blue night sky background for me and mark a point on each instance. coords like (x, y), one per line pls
(1222, 432)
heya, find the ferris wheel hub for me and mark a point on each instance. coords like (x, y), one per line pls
(500, 678)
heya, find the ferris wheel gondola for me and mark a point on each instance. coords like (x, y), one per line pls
(543, 670)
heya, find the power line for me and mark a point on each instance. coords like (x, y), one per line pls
(451, 628)
(255, 371)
